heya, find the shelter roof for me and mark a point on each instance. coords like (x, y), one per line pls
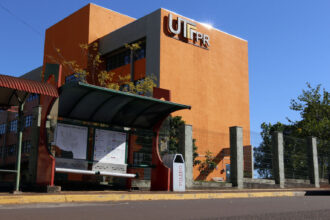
(14, 90)
(87, 102)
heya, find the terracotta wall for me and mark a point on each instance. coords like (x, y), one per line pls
(139, 70)
(213, 81)
(82, 27)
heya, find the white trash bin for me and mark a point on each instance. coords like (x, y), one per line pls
(178, 174)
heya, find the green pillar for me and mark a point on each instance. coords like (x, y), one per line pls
(19, 142)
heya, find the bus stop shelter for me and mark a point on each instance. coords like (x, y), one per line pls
(85, 102)
(89, 103)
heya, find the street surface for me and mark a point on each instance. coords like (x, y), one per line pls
(308, 207)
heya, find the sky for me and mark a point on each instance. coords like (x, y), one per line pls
(289, 41)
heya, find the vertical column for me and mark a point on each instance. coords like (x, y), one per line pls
(236, 156)
(161, 174)
(34, 144)
(313, 165)
(278, 158)
(186, 148)
(20, 124)
(248, 161)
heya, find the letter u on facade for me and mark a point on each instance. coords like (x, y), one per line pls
(170, 25)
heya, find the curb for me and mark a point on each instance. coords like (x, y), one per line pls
(26, 199)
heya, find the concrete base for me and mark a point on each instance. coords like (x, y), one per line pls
(298, 183)
(53, 189)
(250, 183)
(141, 184)
(210, 185)
(270, 184)
(17, 192)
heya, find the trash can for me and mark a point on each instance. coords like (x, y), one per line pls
(178, 175)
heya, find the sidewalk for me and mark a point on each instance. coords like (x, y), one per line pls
(115, 196)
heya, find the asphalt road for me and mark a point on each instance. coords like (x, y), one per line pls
(309, 207)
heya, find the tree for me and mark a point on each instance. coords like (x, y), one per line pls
(170, 135)
(314, 109)
(97, 75)
(263, 153)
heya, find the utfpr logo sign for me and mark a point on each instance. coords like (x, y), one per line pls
(189, 30)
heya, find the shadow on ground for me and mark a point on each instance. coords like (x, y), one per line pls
(318, 193)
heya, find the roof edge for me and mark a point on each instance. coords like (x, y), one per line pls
(201, 23)
(123, 93)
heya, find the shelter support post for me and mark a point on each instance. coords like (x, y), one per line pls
(278, 158)
(236, 156)
(19, 142)
(34, 144)
(160, 175)
(45, 162)
(313, 165)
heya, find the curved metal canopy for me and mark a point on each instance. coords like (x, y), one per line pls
(13, 90)
(87, 102)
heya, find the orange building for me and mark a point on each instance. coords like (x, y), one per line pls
(210, 76)
(201, 66)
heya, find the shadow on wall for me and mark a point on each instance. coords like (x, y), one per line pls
(204, 173)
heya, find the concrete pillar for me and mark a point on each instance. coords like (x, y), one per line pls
(236, 156)
(186, 148)
(313, 165)
(278, 159)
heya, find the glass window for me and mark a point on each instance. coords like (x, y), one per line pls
(13, 126)
(32, 97)
(2, 128)
(126, 60)
(76, 77)
(137, 158)
(26, 146)
(122, 57)
(141, 158)
(28, 121)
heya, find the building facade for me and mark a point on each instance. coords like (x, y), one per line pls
(201, 66)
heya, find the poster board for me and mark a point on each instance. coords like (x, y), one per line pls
(110, 146)
(71, 141)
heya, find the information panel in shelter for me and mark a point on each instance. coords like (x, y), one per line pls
(71, 141)
(110, 146)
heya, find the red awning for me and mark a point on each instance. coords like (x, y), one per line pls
(14, 90)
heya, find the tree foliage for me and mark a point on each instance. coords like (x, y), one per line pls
(263, 153)
(313, 106)
(170, 135)
(99, 76)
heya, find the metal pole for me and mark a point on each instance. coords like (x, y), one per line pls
(19, 141)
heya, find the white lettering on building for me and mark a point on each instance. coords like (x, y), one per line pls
(189, 30)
